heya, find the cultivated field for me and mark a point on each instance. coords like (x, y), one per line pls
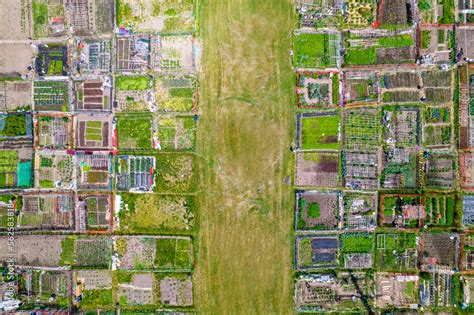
(244, 135)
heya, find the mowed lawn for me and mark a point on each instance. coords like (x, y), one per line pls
(245, 130)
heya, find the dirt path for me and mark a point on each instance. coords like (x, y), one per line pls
(244, 135)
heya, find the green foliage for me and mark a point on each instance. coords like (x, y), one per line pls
(134, 132)
(425, 39)
(46, 184)
(132, 83)
(96, 298)
(173, 253)
(15, 125)
(314, 211)
(359, 56)
(396, 41)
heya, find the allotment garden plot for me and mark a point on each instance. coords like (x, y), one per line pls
(93, 212)
(132, 53)
(439, 251)
(93, 171)
(172, 53)
(54, 131)
(316, 251)
(440, 209)
(90, 17)
(402, 210)
(316, 49)
(360, 210)
(157, 15)
(93, 132)
(356, 250)
(359, 13)
(464, 40)
(401, 86)
(440, 170)
(437, 289)
(90, 56)
(317, 89)
(176, 290)
(318, 14)
(16, 167)
(396, 290)
(86, 252)
(361, 86)
(48, 18)
(15, 95)
(437, 86)
(433, 11)
(35, 250)
(134, 173)
(16, 19)
(319, 130)
(51, 60)
(49, 288)
(466, 107)
(92, 288)
(395, 251)
(175, 173)
(46, 211)
(394, 12)
(437, 43)
(362, 137)
(401, 131)
(467, 259)
(345, 292)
